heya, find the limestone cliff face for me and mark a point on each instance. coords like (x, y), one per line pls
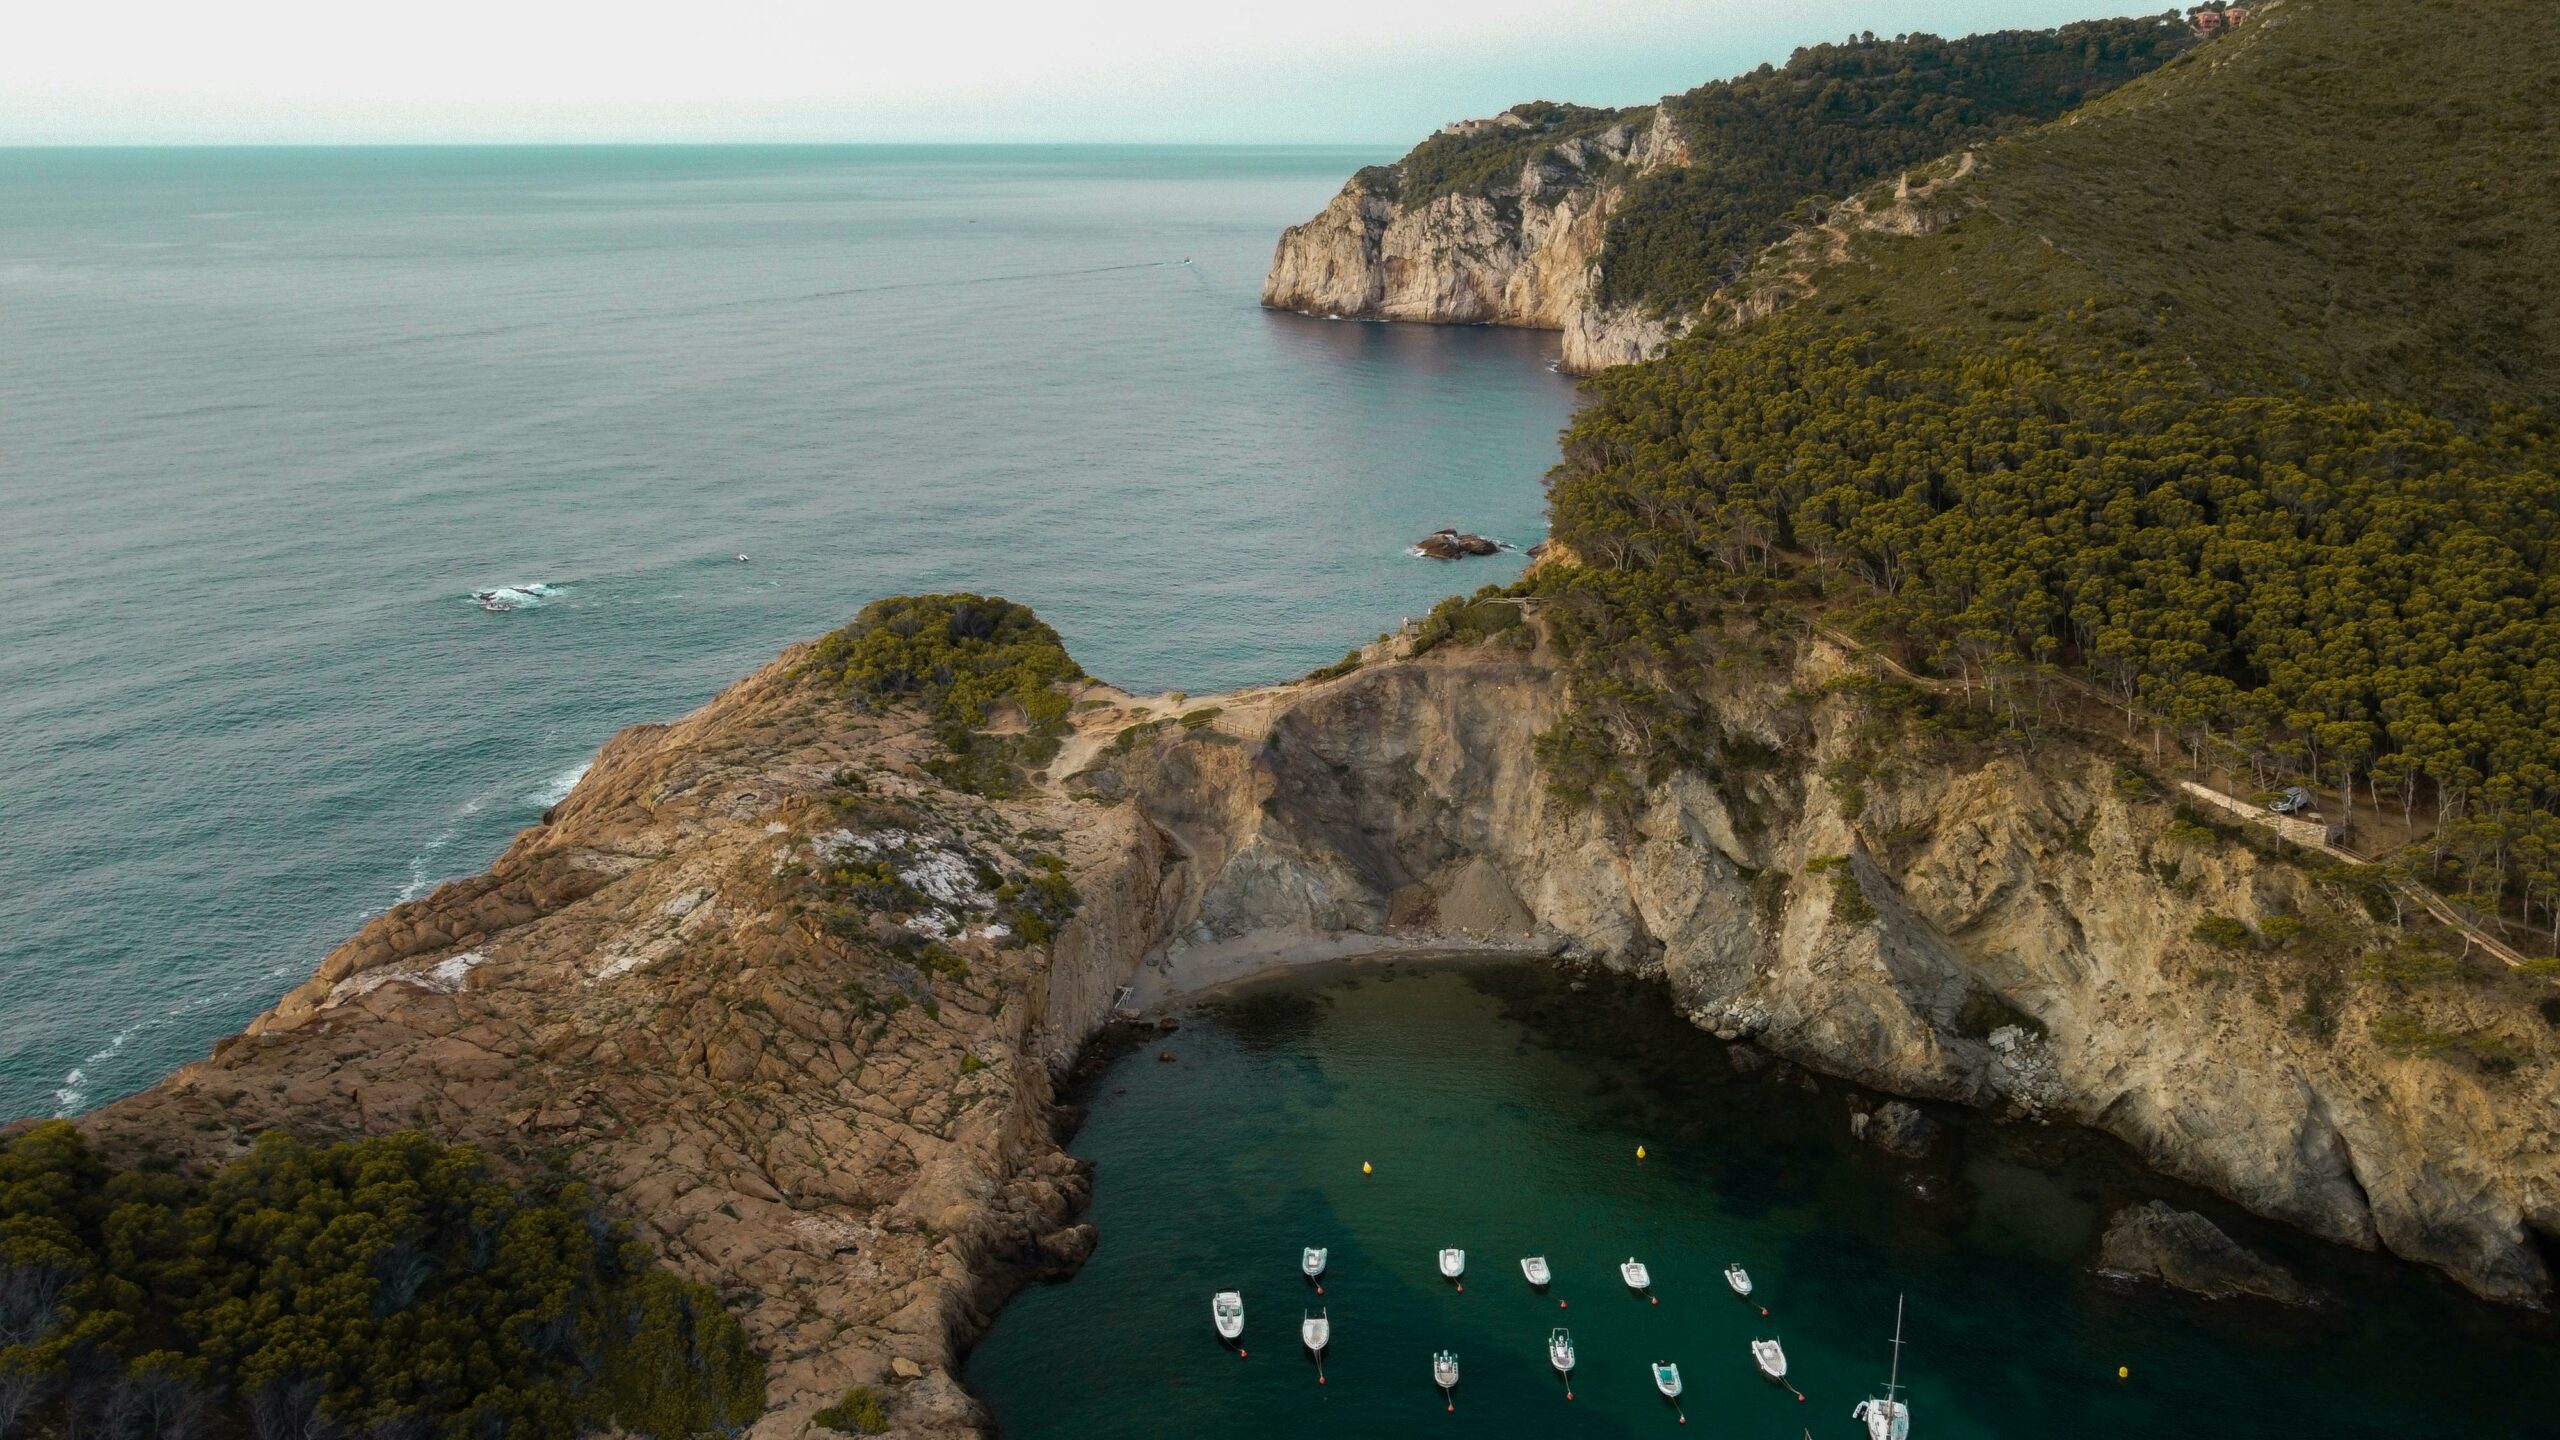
(1529, 252)
(2029, 949)
(1523, 252)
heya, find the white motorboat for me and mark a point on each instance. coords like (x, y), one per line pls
(1453, 1263)
(1666, 1378)
(1888, 1418)
(1226, 1310)
(1535, 1267)
(1739, 1279)
(1316, 1331)
(1444, 1373)
(1311, 1260)
(1771, 1359)
(1560, 1350)
(1637, 1277)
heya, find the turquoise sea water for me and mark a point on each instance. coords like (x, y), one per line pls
(1502, 1111)
(267, 418)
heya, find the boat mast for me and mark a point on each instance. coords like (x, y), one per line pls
(1894, 1379)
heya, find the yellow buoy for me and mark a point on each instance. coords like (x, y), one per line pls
(2124, 1372)
(1364, 1167)
(1639, 1152)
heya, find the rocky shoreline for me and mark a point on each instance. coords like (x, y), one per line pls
(853, 1133)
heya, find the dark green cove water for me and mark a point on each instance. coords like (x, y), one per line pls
(1502, 1111)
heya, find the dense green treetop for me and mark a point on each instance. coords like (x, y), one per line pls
(2229, 396)
(959, 658)
(383, 1287)
(1835, 118)
(1482, 160)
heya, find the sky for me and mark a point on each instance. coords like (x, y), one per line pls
(88, 72)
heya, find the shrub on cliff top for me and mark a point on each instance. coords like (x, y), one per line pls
(387, 1286)
(858, 1413)
(959, 657)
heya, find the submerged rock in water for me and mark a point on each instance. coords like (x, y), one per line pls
(1451, 545)
(1898, 1128)
(2184, 1250)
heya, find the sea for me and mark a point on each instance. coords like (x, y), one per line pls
(1388, 1111)
(270, 419)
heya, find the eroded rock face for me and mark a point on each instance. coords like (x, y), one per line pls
(2029, 947)
(1526, 252)
(861, 1154)
(1529, 251)
(2185, 1251)
(858, 1153)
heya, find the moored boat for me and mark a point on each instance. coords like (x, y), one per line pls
(1560, 1350)
(1453, 1263)
(1770, 1357)
(1888, 1417)
(1739, 1279)
(1226, 1311)
(1535, 1267)
(1311, 1260)
(1316, 1331)
(1666, 1378)
(1444, 1373)
(1634, 1273)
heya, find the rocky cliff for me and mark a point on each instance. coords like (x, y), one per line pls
(2013, 929)
(841, 1113)
(1524, 250)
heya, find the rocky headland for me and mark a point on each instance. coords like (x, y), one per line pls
(850, 1127)
(1522, 250)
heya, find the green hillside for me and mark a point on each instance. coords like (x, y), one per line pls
(1835, 118)
(383, 1287)
(2228, 396)
(1830, 120)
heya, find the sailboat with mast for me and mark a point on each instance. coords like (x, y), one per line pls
(1888, 1418)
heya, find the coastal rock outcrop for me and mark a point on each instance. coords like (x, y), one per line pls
(1898, 1128)
(844, 1123)
(1451, 545)
(2185, 1251)
(2000, 927)
(842, 1115)
(1522, 251)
